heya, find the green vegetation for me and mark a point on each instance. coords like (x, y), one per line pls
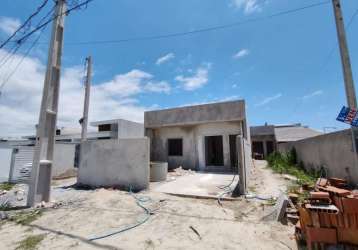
(287, 164)
(30, 242)
(25, 218)
(271, 202)
(4, 205)
(6, 186)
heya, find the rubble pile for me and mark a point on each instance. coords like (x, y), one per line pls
(328, 214)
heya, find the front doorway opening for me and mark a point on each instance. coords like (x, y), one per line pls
(214, 153)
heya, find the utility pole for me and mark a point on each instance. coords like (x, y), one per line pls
(84, 120)
(346, 64)
(40, 185)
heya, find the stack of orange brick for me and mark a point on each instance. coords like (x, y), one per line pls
(330, 215)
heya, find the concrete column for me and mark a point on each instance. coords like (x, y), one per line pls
(240, 188)
(226, 149)
(201, 152)
(12, 164)
(265, 148)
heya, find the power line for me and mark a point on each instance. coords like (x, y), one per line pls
(26, 23)
(6, 80)
(330, 54)
(186, 33)
(67, 12)
(41, 25)
(208, 29)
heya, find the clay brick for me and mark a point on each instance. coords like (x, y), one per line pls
(352, 221)
(322, 182)
(348, 236)
(337, 182)
(319, 195)
(337, 201)
(350, 206)
(322, 235)
(340, 220)
(337, 191)
(334, 220)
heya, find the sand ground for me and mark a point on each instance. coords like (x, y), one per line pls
(88, 213)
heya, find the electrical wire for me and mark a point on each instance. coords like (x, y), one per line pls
(26, 23)
(67, 12)
(329, 56)
(186, 33)
(227, 190)
(139, 202)
(208, 29)
(6, 80)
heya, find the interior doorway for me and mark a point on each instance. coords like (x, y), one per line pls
(233, 152)
(269, 148)
(214, 153)
(258, 150)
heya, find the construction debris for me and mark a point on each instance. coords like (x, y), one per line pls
(326, 215)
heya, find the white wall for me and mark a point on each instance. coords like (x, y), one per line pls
(5, 160)
(121, 163)
(64, 160)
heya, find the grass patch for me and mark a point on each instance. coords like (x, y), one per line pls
(252, 189)
(26, 218)
(6, 186)
(271, 202)
(5, 205)
(287, 164)
(30, 242)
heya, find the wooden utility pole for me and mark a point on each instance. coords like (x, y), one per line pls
(346, 64)
(84, 120)
(40, 183)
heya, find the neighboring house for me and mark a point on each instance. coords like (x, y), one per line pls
(202, 137)
(19, 165)
(66, 153)
(266, 139)
(118, 128)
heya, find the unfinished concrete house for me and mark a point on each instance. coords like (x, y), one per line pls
(202, 137)
(266, 139)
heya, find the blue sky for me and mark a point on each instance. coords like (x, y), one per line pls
(281, 66)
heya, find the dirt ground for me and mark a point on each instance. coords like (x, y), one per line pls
(176, 222)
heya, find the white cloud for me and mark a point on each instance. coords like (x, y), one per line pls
(8, 25)
(269, 99)
(126, 84)
(159, 87)
(249, 6)
(241, 53)
(21, 97)
(313, 94)
(165, 58)
(196, 81)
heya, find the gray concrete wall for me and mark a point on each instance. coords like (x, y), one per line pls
(215, 112)
(64, 160)
(193, 143)
(129, 129)
(333, 151)
(121, 163)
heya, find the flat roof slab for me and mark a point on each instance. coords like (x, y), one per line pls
(198, 114)
(198, 185)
